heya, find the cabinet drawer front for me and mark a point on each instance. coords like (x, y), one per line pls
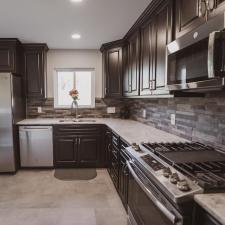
(77, 130)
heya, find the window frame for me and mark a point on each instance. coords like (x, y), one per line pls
(74, 70)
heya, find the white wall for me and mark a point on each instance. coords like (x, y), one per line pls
(75, 59)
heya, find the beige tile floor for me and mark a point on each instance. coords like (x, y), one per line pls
(38, 198)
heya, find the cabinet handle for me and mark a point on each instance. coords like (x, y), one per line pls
(210, 4)
(202, 8)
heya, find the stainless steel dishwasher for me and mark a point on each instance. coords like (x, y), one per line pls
(36, 146)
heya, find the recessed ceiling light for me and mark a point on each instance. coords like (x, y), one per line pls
(76, 36)
(76, 0)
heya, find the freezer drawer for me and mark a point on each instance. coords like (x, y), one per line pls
(36, 146)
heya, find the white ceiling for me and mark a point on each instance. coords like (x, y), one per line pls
(54, 21)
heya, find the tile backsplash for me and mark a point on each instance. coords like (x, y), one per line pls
(48, 110)
(198, 119)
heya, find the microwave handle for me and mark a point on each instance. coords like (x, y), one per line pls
(211, 51)
(157, 203)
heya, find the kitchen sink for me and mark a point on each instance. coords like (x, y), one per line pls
(77, 121)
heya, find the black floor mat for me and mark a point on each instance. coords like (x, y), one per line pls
(75, 174)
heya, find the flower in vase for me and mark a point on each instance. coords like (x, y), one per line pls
(74, 94)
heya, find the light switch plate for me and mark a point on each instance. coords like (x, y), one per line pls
(111, 110)
(39, 109)
(173, 119)
(144, 113)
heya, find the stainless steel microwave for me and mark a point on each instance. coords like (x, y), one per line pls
(196, 61)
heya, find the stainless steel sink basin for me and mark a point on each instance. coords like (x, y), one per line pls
(77, 121)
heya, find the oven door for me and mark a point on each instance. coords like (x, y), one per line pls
(147, 206)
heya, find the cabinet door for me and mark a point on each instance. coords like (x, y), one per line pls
(7, 59)
(126, 71)
(134, 60)
(147, 58)
(162, 36)
(201, 217)
(35, 71)
(89, 151)
(65, 152)
(114, 73)
(189, 15)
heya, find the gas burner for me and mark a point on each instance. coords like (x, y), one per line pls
(201, 163)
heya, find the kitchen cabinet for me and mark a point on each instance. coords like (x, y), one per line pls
(147, 58)
(11, 55)
(78, 146)
(112, 69)
(131, 72)
(163, 35)
(155, 35)
(123, 174)
(35, 57)
(201, 217)
(189, 15)
(65, 151)
(89, 147)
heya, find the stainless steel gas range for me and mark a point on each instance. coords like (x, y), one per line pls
(164, 177)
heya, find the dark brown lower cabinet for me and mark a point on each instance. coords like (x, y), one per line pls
(78, 146)
(107, 148)
(89, 148)
(201, 217)
(123, 175)
(65, 151)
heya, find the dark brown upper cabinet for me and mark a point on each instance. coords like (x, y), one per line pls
(11, 56)
(147, 58)
(131, 63)
(189, 15)
(35, 57)
(155, 35)
(163, 35)
(112, 69)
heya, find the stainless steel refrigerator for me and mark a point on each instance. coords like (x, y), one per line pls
(12, 110)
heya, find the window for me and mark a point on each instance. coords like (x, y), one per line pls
(82, 80)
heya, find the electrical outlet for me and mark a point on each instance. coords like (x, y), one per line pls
(173, 119)
(144, 113)
(39, 109)
(111, 110)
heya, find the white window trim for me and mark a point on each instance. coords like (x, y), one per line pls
(55, 80)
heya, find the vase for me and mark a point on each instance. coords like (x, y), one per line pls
(74, 105)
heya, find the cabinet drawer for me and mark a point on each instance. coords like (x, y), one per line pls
(77, 130)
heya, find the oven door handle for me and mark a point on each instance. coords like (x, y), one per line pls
(157, 203)
(211, 51)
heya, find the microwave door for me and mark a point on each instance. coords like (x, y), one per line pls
(216, 54)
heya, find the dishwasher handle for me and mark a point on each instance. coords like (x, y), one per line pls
(36, 128)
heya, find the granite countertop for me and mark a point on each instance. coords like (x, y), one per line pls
(214, 204)
(130, 130)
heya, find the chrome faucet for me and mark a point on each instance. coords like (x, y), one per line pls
(74, 106)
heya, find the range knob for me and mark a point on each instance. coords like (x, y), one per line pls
(183, 185)
(136, 147)
(174, 178)
(167, 172)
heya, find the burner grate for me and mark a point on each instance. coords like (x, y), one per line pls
(209, 175)
(177, 147)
